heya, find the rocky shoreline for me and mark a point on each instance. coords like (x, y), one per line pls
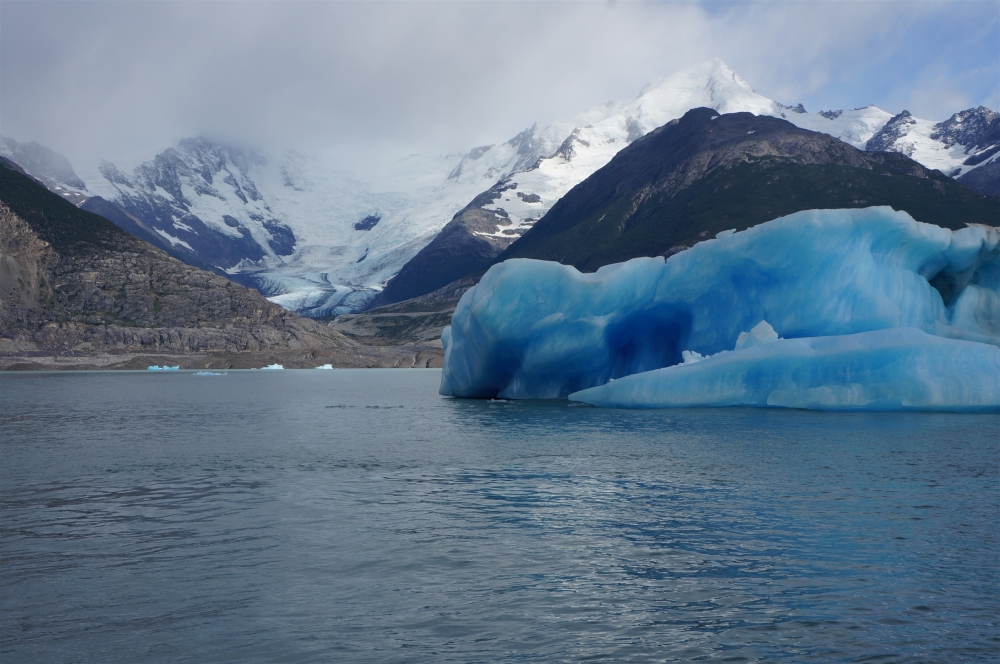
(356, 358)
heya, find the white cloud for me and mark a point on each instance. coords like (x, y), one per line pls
(123, 80)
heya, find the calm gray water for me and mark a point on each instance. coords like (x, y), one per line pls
(356, 516)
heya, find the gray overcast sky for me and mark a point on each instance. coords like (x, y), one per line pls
(123, 80)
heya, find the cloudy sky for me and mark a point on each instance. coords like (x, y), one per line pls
(123, 80)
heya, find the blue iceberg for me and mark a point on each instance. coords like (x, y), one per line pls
(790, 301)
(156, 367)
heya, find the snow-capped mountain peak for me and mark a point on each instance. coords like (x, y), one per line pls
(968, 128)
(51, 168)
(586, 148)
(956, 146)
(201, 196)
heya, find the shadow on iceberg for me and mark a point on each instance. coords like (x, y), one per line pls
(825, 281)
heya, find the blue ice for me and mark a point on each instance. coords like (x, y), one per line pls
(156, 367)
(536, 329)
(900, 368)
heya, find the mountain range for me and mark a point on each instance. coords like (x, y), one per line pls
(322, 241)
(77, 291)
(707, 174)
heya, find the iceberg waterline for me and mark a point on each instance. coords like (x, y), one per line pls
(535, 329)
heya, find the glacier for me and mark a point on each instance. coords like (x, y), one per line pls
(853, 309)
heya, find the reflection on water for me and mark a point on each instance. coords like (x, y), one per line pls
(358, 516)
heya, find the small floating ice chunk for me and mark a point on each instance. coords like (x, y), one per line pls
(272, 367)
(761, 333)
(326, 366)
(156, 367)
(209, 373)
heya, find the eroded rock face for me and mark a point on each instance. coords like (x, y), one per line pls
(24, 261)
(466, 244)
(70, 279)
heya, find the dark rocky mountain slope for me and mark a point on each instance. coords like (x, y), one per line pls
(140, 229)
(464, 245)
(73, 283)
(706, 173)
(985, 179)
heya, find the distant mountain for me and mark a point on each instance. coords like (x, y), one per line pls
(182, 195)
(55, 172)
(50, 168)
(708, 173)
(966, 146)
(314, 238)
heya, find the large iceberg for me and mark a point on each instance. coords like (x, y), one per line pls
(819, 278)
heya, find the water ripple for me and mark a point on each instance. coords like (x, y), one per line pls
(155, 518)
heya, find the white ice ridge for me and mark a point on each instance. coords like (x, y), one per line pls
(536, 329)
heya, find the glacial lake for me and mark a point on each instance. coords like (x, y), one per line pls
(357, 516)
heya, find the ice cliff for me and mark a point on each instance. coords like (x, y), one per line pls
(873, 309)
